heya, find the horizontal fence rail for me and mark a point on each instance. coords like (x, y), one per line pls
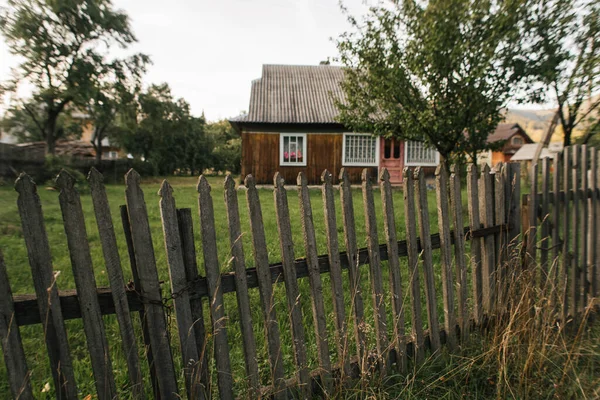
(463, 274)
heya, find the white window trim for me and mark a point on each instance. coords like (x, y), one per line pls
(354, 164)
(304, 146)
(420, 164)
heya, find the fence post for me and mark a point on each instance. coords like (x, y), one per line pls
(215, 290)
(446, 254)
(566, 264)
(12, 346)
(379, 314)
(427, 256)
(40, 260)
(389, 224)
(353, 270)
(241, 285)
(575, 215)
(112, 261)
(179, 290)
(261, 261)
(335, 268)
(488, 273)
(186, 233)
(316, 286)
(149, 286)
(583, 226)
(474, 222)
(142, 312)
(413, 265)
(85, 282)
(459, 253)
(291, 284)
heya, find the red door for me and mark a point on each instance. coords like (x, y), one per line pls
(391, 158)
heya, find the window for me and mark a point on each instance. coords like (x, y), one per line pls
(517, 140)
(417, 154)
(292, 149)
(360, 149)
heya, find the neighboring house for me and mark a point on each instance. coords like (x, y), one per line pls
(513, 138)
(109, 151)
(527, 152)
(291, 127)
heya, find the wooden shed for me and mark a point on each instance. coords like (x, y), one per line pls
(291, 127)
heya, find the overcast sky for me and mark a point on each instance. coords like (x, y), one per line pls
(209, 51)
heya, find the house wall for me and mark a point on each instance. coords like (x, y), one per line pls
(260, 157)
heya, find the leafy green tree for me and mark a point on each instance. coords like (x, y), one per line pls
(164, 133)
(23, 121)
(436, 71)
(227, 147)
(62, 44)
(113, 94)
(563, 46)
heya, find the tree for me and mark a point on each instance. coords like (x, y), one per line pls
(227, 147)
(61, 44)
(164, 133)
(18, 122)
(563, 39)
(114, 92)
(437, 71)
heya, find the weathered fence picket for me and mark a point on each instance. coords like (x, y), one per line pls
(316, 286)
(353, 270)
(567, 267)
(267, 301)
(85, 282)
(241, 284)
(389, 224)
(10, 337)
(427, 259)
(379, 314)
(114, 270)
(335, 267)
(44, 282)
(215, 290)
(413, 265)
(291, 283)
(446, 255)
(566, 255)
(459, 254)
(476, 244)
(488, 264)
(142, 313)
(179, 290)
(149, 286)
(186, 234)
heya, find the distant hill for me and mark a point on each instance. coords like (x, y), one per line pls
(536, 122)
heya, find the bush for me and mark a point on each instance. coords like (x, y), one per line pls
(52, 167)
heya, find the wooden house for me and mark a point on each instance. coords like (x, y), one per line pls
(291, 127)
(511, 137)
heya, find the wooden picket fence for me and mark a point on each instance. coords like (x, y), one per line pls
(494, 231)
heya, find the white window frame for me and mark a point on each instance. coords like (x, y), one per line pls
(304, 145)
(356, 164)
(419, 164)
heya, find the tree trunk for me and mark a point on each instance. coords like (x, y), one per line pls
(98, 147)
(50, 132)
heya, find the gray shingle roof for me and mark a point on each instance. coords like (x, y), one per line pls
(295, 94)
(505, 131)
